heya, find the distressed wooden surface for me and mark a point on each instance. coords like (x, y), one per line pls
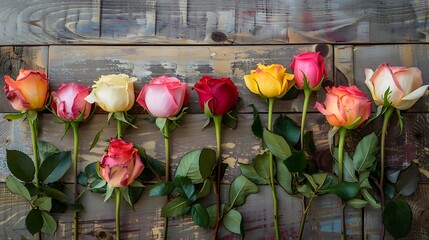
(84, 64)
(212, 22)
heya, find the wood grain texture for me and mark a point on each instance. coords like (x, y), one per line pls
(212, 22)
(85, 64)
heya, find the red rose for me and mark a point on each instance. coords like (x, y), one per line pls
(121, 163)
(220, 94)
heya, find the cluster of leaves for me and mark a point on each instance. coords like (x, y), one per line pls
(193, 181)
(357, 171)
(397, 214)
(48, 196)
(91, 179)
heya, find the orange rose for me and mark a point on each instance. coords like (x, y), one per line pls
(29, 91)
(345, 106)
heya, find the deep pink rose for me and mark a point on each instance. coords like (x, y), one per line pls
(29, 91)
(121, 164)
(221, 94)
(69, 101)
(164, 96)
(312, 65)
(344, 105)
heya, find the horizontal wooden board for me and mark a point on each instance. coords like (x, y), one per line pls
(212, 22)
(85, 64)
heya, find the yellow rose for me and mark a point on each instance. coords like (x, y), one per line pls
(113, 93)
(269, 81)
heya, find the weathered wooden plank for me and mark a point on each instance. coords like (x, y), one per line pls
(85, 64)
(212, 22)
(20, 57)
(49, 21)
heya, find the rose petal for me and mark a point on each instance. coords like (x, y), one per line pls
(409, 100)
(384, 79)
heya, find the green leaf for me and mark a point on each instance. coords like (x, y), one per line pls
(200, 215)
(305, 190)
(261, 164)
(197, 165)
(277, 144)
(205, 189)
(257, 124)
(389, 191)
(357, 203)
(320, 178)
(364, 180)
(16, 187)
(49, 224)
(125, 194)
(160, 123)
(82, 179)
(20, 165)
(45, 149)
(311, 181)
(392, 175)
(185, 187)
(310, 147)
(124, 118)
(91, 170)
(369, 197)
(365, 154)
(54, 167)
(297, 162)
(232, 220)
(408, 180)
(344, 190)
(331, 135)
(34, 221)
(249, 171)
(212, 212)
(97, 135)
(283, 176)
(13, 116)
(55, 194)
(135, 193)
(109, 192)
(348, 167)
(44, 203)
(176, 207)
(230, 119)
(288, 129)
(240, 188)
(161, 189)
(397, 218)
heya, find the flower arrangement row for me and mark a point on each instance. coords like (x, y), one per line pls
(358, 178)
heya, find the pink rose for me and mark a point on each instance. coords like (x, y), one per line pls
(29, 91)
(121, 164)
(220, 94)
(69, 101)
(164, 96)
(312, 65)
(404, 85)
(345, 106)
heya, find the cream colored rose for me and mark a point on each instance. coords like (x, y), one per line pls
(404, 85)
(113, 93)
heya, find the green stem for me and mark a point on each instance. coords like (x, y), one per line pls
(33, 129)
(218, 127)
(271, 160)
(75, 126)
(307, 94)
(342, 133)
(305, 209)
(119, 127)
(386, 119)
(166, 133)
(118, 209)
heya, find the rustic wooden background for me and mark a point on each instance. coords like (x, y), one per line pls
(79, 40)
